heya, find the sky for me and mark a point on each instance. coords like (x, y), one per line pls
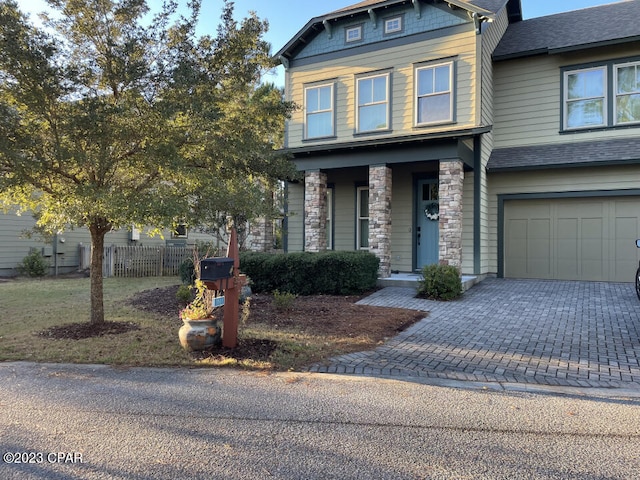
(287, 17)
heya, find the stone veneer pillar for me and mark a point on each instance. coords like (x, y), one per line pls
(450, 200)
(380, 216)
(261, 231)
(315, 211)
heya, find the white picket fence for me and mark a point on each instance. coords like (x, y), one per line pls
(138, 261)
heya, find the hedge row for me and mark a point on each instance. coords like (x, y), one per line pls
(304, 273)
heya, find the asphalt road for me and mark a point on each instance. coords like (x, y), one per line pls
(96, 422)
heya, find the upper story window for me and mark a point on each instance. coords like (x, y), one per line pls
(353, 34)
(319, 111)
(373, 103)
(434, 93)
(393, 25)
(585, 100)
(627, 93)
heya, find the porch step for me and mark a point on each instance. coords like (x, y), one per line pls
(411, 280)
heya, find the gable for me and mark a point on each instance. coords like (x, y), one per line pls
(332, 39)
(325, 34)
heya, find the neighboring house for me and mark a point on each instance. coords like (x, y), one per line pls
(63, 250)
(452, 131)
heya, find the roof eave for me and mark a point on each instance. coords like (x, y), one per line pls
(565, 49)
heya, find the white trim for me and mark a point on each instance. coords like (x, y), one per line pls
(417, 97)
(372, 102)
(360, 218)
(604, 97)
(355, 38)
(395, 29)
(616, 94)
(319, 111)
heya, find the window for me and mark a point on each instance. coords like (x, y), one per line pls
(434, 95)
(319, 111)
(585, 101)
(373, 103)
(627, 90)
(329, 218)
(180, 231)
(393, 25)
(353, 34)
(362, 226)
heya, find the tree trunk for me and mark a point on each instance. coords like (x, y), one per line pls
(98, 228)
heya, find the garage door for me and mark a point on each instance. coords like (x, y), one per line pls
(572, 239)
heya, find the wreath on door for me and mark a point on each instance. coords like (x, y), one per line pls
(432, 212)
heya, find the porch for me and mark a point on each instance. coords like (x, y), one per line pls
(411, 280)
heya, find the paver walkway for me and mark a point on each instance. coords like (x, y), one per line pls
(583, 334)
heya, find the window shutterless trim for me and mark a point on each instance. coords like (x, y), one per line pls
(387, 102)
(400, 29)
(616, 95)
(566, 101)
(610, 66)
(353, 28)
(451, 91)
(306, 113)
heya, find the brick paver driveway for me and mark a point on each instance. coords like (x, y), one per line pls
(525, 331)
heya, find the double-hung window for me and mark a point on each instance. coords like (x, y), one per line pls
(319, 111)
(373, 103)
(434, 93)
(362, 221)
(627, 93)
(585, 103)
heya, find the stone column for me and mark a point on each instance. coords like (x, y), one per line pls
(315, 211)
(261, 231)
(450, 200)
(380, 216)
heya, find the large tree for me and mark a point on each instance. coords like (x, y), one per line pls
(111, 117)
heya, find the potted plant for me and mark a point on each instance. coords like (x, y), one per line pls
(200, 329)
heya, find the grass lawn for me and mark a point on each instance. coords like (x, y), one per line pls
(311, 330)
(32, 306)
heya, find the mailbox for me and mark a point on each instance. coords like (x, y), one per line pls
(212, 269)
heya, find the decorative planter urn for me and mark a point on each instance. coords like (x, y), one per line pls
(197, 335)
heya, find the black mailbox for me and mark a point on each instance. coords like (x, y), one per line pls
(216, 268)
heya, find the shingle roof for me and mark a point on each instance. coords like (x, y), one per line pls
(582, 154)
(586, 28)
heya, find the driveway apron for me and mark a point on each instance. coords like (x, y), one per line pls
(562, 333)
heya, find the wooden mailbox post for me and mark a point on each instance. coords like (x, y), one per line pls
(231, 283)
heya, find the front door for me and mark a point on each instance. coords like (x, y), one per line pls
(427, 231)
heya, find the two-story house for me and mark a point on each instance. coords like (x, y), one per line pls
(453, 131)
(395, 130)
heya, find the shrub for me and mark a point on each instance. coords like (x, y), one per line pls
(184, 294)
(304, 273)
(440, 282)
(34, 264)
(187, 272)
(283, 300)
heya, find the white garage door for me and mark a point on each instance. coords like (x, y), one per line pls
(572, 239)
